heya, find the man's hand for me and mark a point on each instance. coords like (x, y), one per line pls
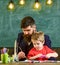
(21, 55)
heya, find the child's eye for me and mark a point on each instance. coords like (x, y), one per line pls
(37, 43)
(34, 44)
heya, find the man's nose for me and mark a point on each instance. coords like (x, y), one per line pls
(26, 33)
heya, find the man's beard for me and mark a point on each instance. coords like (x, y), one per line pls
(27, 38)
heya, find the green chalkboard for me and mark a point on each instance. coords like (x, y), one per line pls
(47, 19)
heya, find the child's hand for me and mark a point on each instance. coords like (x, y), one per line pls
(52, 55)
(43, 56)
(39, 55)
(48, 55)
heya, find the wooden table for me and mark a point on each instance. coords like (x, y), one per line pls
(29, 63)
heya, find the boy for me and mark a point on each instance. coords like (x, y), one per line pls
(40, 51)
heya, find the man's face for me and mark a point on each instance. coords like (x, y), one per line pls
(28, 31)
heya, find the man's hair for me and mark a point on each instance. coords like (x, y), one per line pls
(27, 21)
(38, 36)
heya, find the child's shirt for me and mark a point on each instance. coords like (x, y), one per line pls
(43, 51)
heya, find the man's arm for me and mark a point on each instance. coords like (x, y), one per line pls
(20, 47)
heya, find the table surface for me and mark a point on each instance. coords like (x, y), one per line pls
(32, 63)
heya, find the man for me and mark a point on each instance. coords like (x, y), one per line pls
(24, 39)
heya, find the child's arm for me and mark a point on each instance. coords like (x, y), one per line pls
(34, 57)
(54, 54)
(50, 53)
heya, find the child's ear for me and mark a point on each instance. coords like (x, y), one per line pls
(43, 41)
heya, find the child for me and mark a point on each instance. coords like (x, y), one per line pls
(40, 51)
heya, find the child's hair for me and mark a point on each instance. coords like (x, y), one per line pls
(38, 36)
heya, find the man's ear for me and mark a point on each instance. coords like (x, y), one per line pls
(34, 28)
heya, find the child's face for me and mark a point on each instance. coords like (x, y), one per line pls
(38, 44)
